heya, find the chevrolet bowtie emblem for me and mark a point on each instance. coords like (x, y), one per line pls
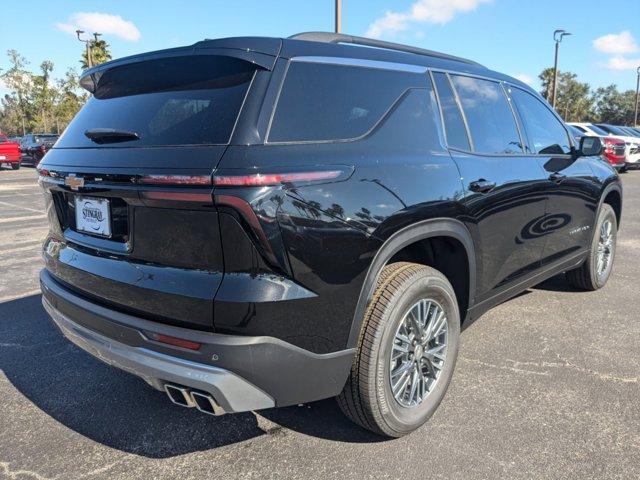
(74, 182)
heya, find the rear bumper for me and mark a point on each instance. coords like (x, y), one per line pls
(240, 373)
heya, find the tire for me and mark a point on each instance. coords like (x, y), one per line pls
(15, 166)
(367, 398)
(588, 276)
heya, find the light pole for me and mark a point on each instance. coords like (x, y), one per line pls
(635, 116)
(87, 46)
(338, 26)
(557, 37)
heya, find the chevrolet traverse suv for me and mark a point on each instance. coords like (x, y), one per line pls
(249, 223)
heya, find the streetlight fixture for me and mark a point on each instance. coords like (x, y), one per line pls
(87, 47)
(635, 117)
(558, 35)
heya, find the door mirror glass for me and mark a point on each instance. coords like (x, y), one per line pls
(590, 146)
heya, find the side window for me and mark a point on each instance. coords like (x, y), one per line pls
(490, 119)
(322, 101)
(453, 123)
(546, 134)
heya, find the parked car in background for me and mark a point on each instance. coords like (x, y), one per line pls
(615, 149)
(632, 143)
(233, 228)
(9, 153)
(615, 153)
(34, 146)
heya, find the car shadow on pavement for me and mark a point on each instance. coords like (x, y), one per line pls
(558, 283)
(119, 410)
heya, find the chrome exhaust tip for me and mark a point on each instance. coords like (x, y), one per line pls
(179, 395)
(206, 404)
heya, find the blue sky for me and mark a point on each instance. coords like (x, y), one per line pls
(512, 36)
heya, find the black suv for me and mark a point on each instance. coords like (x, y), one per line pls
(249, 223)
(34, 146)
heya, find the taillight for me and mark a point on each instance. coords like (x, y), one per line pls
(195, 180)
(266, 179)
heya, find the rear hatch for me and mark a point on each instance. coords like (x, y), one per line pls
(128, 186)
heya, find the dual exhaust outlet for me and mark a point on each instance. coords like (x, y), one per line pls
(185, 397)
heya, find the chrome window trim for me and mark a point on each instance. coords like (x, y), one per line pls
(364, 63)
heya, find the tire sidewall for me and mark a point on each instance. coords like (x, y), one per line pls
(398, 418)
(606, 212)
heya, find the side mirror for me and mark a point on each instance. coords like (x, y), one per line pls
(590, 147)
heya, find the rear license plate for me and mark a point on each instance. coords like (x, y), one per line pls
(93, 216)
(3, 157)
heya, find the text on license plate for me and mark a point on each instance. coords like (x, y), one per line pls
(93, 216)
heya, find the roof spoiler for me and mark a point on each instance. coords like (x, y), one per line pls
(89, 78)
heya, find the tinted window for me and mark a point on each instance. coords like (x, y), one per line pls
(612, 129)
(335, 102)
(489, 116)
(453, 123)
(190, 100)
(579, 128)
(597, 130)
(547, 135)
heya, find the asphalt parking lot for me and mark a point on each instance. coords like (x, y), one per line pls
(547, 386)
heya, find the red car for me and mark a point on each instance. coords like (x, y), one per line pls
(614, 153)
(9, 153)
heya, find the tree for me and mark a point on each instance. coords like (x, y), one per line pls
(44, 97)
(69, 100)
(573, 100)
(15, 105)
(100, 53)
(37, 102)
(612, 106)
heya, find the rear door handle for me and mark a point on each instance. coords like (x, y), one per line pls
(557, 177)
(482, 186)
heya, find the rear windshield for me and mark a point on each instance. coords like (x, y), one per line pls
(177, 101)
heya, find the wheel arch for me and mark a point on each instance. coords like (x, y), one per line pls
(424, 230)
(612, 195)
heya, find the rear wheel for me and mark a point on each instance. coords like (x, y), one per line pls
(596, 269)
(406, 352)
(15, 166)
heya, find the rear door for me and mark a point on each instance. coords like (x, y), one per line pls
(128, 186)
(504, 189)
(573, 190)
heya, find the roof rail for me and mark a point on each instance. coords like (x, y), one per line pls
(329, 37)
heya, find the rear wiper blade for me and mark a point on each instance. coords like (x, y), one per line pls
(110, 135)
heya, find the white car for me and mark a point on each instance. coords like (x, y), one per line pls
(632, 150)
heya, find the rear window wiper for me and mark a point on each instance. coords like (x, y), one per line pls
(110, 135)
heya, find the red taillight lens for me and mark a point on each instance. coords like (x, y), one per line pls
(265, 179)
(176, 342)
(196, 180)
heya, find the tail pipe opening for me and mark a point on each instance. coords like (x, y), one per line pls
(186, 397)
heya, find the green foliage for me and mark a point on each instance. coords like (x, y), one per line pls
(36, 102)
(574, 101)
(99, 54)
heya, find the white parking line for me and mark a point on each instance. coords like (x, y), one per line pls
(20, 206)
(32, 246)
(19, 219)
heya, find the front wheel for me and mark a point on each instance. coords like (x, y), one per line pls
(596, 269)
(406, 352)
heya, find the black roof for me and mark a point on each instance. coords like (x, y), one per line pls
(264, 50)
